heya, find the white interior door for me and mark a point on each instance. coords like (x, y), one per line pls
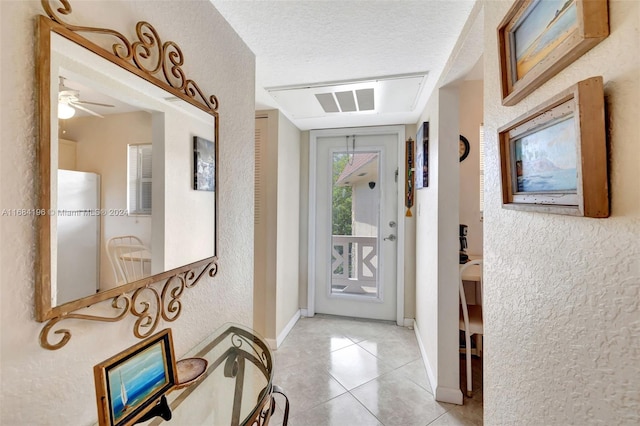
(355, 232)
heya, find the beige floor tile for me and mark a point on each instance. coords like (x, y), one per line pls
(396, 401)
(416, 372)
(353, 366)
(396, 353)
(344, 410)
(307, 387)
(341, 371)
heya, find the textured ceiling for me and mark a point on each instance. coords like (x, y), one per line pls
(305, 42)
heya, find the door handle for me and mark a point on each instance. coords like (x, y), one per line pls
(391, 237)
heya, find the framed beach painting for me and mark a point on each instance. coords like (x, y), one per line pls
(539, 38)
(204, 164)
(554, 158)
(130, 383)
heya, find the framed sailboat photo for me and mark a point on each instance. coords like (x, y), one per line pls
(130, 383)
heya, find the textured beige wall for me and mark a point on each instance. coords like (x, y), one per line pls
(288, 220)
(562, 294)
(303, 259)
(437, 247)
(264, 243)
(41, 387)
(277, 225)
(470, 120)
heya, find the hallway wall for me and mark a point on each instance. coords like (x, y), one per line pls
(437, 216)
(42, 387)
(470, 120)
(277, 230)
(437, 247)
(562, 293)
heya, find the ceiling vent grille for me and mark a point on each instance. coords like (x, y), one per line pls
(347, 101)
(393, 94)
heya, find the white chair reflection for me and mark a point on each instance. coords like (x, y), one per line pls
(470, 321)
(129, 258)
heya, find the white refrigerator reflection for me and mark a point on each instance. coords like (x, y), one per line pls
(78, 232)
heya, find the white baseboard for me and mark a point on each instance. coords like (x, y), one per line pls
(442, 394)
(285, 331)
(425, 359)
(272, 343)
(408, 322)
(304, 313)
(452, 396)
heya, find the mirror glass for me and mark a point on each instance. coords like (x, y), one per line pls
(125, 156)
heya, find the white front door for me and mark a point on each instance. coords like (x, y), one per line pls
(355, 223)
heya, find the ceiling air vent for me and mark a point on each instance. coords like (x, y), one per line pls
(365, 100)
(380, 95)
(328, 102)
(348, 101)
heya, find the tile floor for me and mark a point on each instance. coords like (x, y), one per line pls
(345, 372)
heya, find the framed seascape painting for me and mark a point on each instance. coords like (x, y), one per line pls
(538, 38)
(204, 164)
(422, 156)
(554, 159)
(130, 383)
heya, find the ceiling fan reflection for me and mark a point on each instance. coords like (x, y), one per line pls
(69, 100)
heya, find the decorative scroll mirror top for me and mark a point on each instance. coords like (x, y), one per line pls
(176, 256)
(168, 61)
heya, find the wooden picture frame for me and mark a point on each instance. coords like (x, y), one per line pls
(132, 382)
(422, 156)
(554, 158)
(537, 39)
(410, 176)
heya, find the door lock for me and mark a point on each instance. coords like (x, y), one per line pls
(391, 237)
(392, 224)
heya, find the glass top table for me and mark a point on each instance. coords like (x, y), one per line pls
(235, 389)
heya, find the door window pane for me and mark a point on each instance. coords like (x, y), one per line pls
(355, 217)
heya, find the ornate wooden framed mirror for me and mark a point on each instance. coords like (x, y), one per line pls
(118, 206)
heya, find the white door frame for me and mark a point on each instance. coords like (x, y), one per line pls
(399, 131)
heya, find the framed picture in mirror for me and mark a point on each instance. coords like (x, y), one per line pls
(204, 164)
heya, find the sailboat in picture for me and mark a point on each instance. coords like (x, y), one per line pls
(123, 394)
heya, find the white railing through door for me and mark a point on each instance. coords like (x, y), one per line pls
(354, 265)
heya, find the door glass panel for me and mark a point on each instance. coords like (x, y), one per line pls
(355, 216)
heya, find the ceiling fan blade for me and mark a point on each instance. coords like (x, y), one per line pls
(75, 105)
(94, 103)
